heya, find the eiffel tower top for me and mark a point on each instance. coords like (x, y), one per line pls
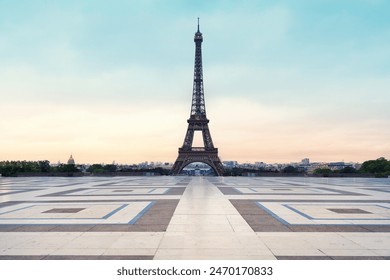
(198, 35)
(198, 108)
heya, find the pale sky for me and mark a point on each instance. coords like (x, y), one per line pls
(112, 80)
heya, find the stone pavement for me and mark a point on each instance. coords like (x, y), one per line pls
(194, 218)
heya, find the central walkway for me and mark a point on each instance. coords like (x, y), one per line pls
(206, 225)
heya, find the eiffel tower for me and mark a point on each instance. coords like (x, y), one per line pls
(198, 122)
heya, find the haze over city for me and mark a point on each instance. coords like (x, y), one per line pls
(284, 80)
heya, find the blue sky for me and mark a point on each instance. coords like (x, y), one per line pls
(112, 80)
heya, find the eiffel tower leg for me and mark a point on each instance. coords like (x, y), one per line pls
(208, 157)
(177, 167)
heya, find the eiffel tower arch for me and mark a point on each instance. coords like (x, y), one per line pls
(198, 121)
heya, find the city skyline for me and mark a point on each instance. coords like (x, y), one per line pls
(283, 80)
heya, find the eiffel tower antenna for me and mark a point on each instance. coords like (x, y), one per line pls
(198, 121)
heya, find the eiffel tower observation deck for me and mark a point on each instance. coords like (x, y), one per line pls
(198, 121)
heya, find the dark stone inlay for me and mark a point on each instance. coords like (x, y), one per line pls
(261, 221)
(182, 184)
(32, 228)
(229, 191)
(20, 257)
(333, 192)
(69, 193)
(68, 185)
(360, 257)
(5, 228)
(329, 228)
(343, 192)
(9, 203)
(349, 211)
(332, 257)
(176, 191)
(74, 257)
(18, 191)
(386, 190)
(64, 192)
(377, 228)
(64, 210)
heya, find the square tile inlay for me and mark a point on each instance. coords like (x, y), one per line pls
(64, 210)
(349, 211)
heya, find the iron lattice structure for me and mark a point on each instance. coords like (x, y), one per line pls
(198, 122)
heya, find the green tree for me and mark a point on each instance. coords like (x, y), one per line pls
(44, 166)
(348, 170)
(110, 168)
(13, 168)
(290, 169)
(379, 167)
(67, 168)
(323, 171)
(96, 168)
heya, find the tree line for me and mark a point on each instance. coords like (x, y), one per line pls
(378, 168)
(15, 168)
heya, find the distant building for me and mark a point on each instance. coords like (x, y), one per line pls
(260, 164)
(305, 161)
(229, 163)
(71, 160)
(339, 165)
(315, 165)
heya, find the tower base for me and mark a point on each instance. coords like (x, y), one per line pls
(209, 157)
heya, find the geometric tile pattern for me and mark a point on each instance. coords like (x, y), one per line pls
(313, 204)
(329, 213)
(90, 203)
(166, 217)
(68, 213)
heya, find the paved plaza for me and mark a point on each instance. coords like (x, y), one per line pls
(194, 218)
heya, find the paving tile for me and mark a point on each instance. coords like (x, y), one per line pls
(207, 253)
(130, 251)
(200, 228)
(134, 240)
(290, 243)
(334, 242)
(93, 243)
(304, 258)
(28, 251)
(381, 252)
(75, 252)
(370, 242)
(349, 253)
(297, 252)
